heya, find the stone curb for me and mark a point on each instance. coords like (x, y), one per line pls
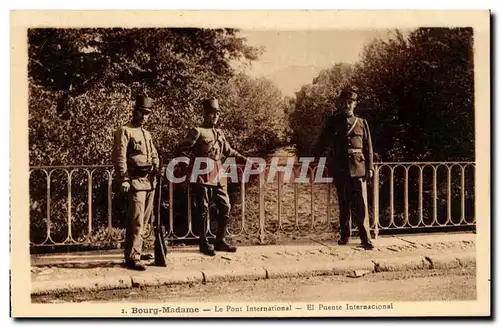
(81, 284)
(234, 274)
(319, 269)
(166, 278)
(342, 267)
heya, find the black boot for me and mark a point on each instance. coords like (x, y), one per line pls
(222, 245)
(135, 265)
(220, 241)
(343, 241)
(205, 247)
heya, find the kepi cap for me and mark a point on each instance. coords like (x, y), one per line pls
(211, 105)
(144, 103)
(350, 92)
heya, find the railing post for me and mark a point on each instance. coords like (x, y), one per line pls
(69, 206)
(279, 201)
(462, 194)
(391, 198)
(376, 202)
(89, 200)
(328, 203)
(420, 196)
(243, 203)
(434, 195)
(296, 200)
(261, 207)
(407, 216)
(110, 203)
(49, 224)
(171, 207)
(448, 198)
(311, 181)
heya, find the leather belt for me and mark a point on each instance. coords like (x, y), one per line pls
(354, 151)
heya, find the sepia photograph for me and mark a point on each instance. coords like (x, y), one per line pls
(258, 164)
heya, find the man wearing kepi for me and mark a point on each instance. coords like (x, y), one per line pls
(210, 148)
(350, 161)
(136, 162)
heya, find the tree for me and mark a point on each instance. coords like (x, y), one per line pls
(419, 95)
(417, 92)
(314, 102)
(82, 82)
(254, 113)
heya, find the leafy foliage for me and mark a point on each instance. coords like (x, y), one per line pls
(313, 104)
(81, 86)
(82, 82)
(417, 94)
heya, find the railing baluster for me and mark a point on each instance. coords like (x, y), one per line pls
(328, 204)
(434, 192)
(89, 201)
(279, 201)
(69, 205)
(48, 209)
(420, 196)
(312, 199)
(296, 203)
(448, 202)
(243, 205)
(189, 212)
(171, 207)
(376, 201)
(462, 193)
(261, 207)
(406, 204)
(391, 197)
(110, 203)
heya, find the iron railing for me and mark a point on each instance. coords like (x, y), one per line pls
(83, 206)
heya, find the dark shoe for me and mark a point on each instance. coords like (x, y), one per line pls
(368, 246)
(147, 256)
(343, 241)
(136, 265)
(208, 250)
(224, 246)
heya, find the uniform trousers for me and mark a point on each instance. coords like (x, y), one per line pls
(352, 195)
(140, 209)
(208, 199)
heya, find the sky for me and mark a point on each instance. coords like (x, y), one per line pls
(315, 49)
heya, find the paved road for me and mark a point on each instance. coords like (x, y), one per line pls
(426, 285)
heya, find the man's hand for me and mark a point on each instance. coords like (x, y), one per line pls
(125, 187)
(255, 164)
(370, 174)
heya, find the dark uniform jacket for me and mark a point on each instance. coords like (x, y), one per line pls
(208, 143)
(350, 148)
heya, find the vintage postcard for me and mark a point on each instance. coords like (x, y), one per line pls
(250, 164)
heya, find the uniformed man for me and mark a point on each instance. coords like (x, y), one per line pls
(207, 141)
(350, 162)
(136, 162)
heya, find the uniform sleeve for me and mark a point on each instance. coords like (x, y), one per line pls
(119, 157)
(188, 142)
(228, 151)
(324, 138)
(367, 146)
(154, 154)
